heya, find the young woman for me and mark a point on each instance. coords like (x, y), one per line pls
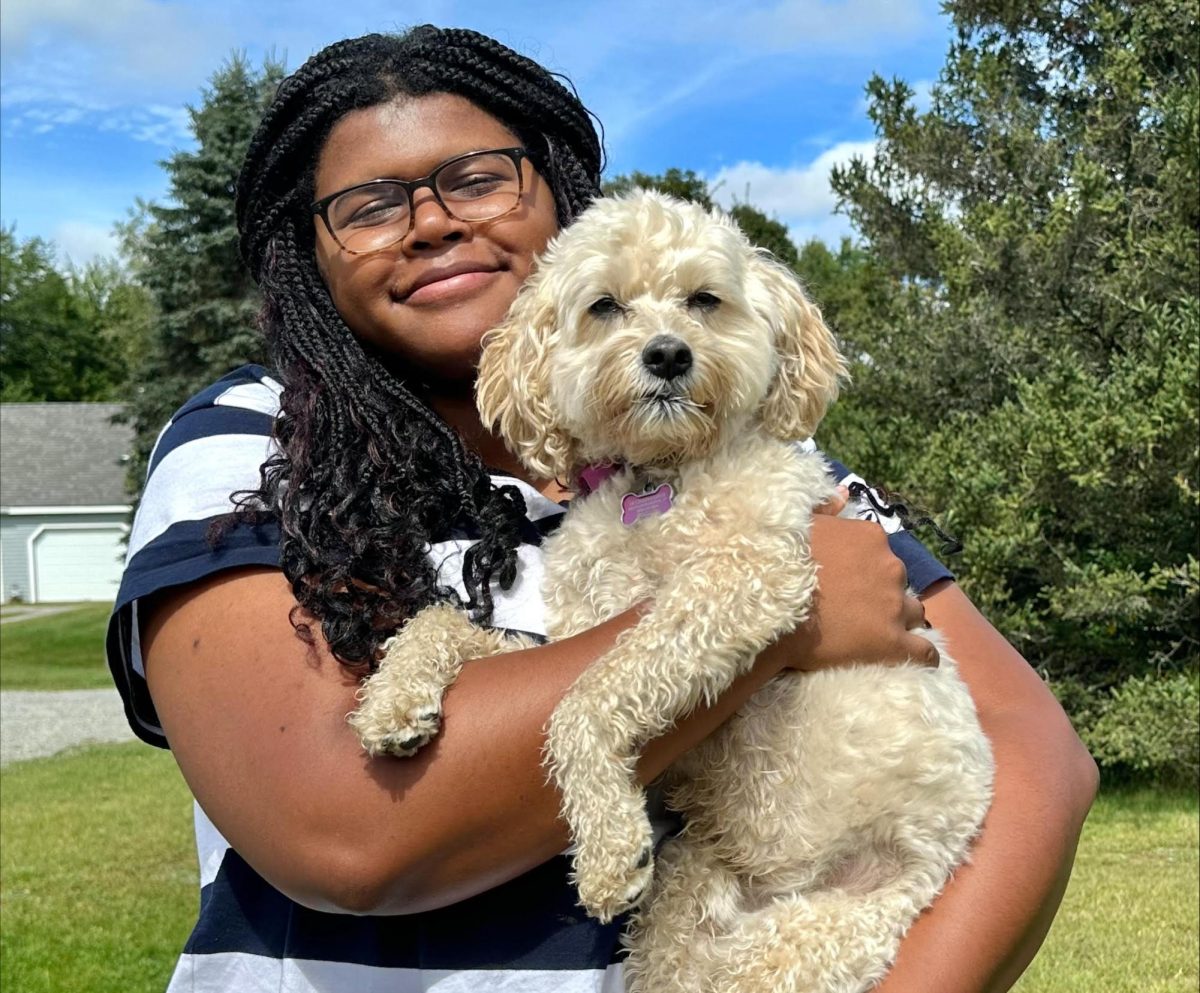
(241, 645)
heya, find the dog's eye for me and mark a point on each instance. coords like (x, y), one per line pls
(604, 307)
(704, 300)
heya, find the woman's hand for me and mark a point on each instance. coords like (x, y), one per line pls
(861, 611)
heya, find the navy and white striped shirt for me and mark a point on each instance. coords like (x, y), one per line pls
(525, 935)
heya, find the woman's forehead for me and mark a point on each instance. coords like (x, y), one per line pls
(405, 138)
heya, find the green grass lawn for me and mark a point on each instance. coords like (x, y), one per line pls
(1131, 917)
(98, 888)
(98, 883)
(62, 651)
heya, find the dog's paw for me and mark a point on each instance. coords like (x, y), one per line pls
(396, 723)
(613, 874)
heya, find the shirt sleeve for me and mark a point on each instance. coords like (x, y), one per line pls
(212, 448)
(923, 568)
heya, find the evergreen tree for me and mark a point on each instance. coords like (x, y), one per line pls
(185, 253)
(1033, 365)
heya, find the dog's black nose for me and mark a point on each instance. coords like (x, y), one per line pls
(666, 357)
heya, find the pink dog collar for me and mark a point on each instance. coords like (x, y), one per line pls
(593, 475)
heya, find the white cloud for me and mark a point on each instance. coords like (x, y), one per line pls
(46, 119)
(799, 196)
(830, 229)
(94, 63)
(157, 124)
(821, 25)
(152, 41)
(169, 127)
(79, 242)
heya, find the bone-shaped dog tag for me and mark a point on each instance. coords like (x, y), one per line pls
(635, 506)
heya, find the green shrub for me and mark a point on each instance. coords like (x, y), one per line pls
(1149, 727)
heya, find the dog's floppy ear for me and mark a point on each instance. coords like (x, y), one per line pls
(512, 390)
(810, 367)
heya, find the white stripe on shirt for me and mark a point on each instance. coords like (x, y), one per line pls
(233, 972)
(176, 492)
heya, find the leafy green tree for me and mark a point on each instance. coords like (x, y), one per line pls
(62, 333)
(122, 310)
(766, 232)
(1031, 271)
(185, 253)
(681, 183)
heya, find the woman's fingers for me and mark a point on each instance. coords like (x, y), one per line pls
(923, 651)
(913, 612)
(835, 504)
(860, 612)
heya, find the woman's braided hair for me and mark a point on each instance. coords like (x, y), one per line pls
(366, 474)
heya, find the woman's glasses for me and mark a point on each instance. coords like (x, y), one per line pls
(478, 186)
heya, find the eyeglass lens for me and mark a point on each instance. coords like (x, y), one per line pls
(475, 188)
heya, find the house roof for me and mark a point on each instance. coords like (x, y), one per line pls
(62, 455)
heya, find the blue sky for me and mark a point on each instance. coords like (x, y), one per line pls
(762, 96)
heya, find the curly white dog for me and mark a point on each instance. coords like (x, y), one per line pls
(660, 360)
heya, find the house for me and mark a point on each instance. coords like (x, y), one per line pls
(64, 511)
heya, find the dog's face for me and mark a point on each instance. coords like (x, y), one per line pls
(649, 330)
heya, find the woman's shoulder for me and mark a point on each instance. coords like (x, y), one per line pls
(250, 388)
(243, 403)
(213, 446)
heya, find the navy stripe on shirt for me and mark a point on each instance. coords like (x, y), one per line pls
(247, 375)
(531, 922)
(182, 554)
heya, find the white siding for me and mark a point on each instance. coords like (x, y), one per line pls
(14, 561)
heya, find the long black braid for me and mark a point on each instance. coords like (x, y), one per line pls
(366, 474)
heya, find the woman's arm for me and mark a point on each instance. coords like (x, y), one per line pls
(256, 720)
(985, 928)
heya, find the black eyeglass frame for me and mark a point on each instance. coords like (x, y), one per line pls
(321, 207)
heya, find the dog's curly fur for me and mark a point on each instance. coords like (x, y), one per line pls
(835, 805)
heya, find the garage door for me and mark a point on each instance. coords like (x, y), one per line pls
(78, 563)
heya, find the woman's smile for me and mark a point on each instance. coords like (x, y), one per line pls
(450, 284)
